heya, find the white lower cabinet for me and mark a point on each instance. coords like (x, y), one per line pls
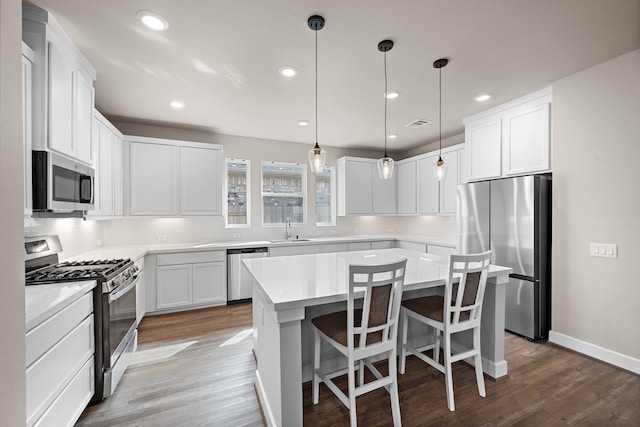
(140, 291)
(296, 249)
(60, 376)
(189, 280)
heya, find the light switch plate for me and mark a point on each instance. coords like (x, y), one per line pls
(605, 250)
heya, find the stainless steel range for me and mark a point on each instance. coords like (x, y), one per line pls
(114, 301)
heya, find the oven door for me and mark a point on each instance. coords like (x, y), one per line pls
(119, 329)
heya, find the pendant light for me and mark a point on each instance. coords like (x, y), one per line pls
(440, 167)
(385, 164)
(317, 156)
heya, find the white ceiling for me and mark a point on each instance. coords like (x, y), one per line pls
(221, 58)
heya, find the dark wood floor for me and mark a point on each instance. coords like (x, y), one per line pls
(196, 369)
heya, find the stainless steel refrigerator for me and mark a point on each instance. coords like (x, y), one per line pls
(512, 217)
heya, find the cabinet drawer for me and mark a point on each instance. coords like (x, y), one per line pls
(440, 250)
(190, 257)
(51, 373)
(68, 407)
(45, 335)
(335, 247)
(360, 246)
(385, 244)
(412, 246)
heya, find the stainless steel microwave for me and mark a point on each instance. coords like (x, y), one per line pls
(61, 184)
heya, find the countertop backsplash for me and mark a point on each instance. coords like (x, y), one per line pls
(78, 236)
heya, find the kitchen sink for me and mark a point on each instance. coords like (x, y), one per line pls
(288, 240)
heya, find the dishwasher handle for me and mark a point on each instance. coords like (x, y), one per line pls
(247, 251)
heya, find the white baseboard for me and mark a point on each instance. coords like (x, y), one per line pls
(609, 356)
(264, 402)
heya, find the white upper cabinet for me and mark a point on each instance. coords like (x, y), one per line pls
(428, 186)
(200, 181)
(154, 179)
(107, 145)
(511, 139)
(173, 178)
(484, 147)
(361, 191)
(62, 92)
(27, 65)
(449, 182)
(355, 189)
(527, 134)
(407, 184)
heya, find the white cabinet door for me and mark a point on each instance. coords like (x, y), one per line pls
(61, 108)
(200, 181)
(407, 182)
(173, 286)
(449, 183)
(209, 284)
(526, 135)
(463, 166)
(428, 186)
(83, 117)
(27, 113)
(105, 170)
(117, 175)
(384, 192)
(154, 179)
(359, 188)
(484, 145)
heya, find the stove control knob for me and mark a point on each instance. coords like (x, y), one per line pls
(115, 282)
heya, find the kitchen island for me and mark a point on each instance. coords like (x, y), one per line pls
(289, 291)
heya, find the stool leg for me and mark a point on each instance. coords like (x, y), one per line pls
(448, 377)
(403, 350)
(352, 395)
(316, 367)
(395, 399)
(478, 361)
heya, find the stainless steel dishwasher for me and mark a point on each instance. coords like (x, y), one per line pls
(238, 278)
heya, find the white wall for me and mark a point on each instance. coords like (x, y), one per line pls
(596, 185)
(76, 235)
(12, 360)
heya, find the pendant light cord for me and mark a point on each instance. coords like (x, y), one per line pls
(385, 104)
(440, 109)
(316, 87)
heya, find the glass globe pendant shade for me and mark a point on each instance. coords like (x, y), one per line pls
(440, 169)
(317, 159)
(385, 167)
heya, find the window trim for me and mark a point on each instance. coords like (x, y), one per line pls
(332, 186)
(226, 193)
(304, 192)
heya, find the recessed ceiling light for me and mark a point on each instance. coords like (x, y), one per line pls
(483, 97)
(177, 104)
(288, 71)
(393, 136)
(152, 20)
(392, 95)
(303, 123)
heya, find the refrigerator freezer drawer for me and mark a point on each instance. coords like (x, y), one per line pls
(521, 307)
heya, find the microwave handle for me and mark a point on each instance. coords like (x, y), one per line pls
(83, 180)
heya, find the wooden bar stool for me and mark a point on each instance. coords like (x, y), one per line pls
(451, 314)
(362, 334)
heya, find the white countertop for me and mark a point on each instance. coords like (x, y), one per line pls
(298, 281)
(43, 301)
(136, 252)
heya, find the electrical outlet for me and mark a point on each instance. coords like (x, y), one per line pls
(236, 235)
(390, 230)
(354, 231)
(162, 238)
(605, 250)
(99, 242)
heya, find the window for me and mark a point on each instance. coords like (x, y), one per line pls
(283, 192)
(325, 197)
(238, 206)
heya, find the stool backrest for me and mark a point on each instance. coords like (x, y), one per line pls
(466, 305)
(382, 286)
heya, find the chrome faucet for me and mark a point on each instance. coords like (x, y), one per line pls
(287, 228)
